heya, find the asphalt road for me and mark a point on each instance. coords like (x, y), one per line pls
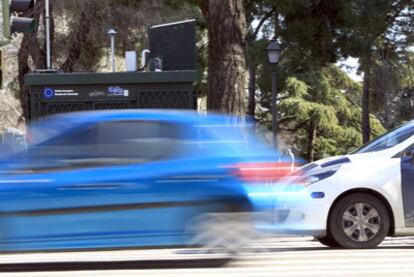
(292, 256)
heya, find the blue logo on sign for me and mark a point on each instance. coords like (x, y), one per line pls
(116, 91)
(48, 92)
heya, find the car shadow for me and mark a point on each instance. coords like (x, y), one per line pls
(115, 265)
(322, 248)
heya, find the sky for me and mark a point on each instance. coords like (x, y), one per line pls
(350, 66)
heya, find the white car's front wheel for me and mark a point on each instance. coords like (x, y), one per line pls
(359, 220)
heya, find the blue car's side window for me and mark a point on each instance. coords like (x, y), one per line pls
(107, 143)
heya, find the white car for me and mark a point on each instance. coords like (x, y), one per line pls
(355, 200)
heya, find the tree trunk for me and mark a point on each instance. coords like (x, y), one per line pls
(29, 47)
(388, 87)
(311, 141)
(52, 33)
(23, 65)
(252, 88)
(387, 110)
(36, 52)
(252, 63)
(227, 30)
(366, 127)
(82, 34)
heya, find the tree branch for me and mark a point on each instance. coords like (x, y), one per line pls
(300, 126)
(262, 21)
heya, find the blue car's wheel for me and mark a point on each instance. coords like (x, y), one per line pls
(222, 232)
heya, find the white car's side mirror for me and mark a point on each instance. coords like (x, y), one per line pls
(412, 155)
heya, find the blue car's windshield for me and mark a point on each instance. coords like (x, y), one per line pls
(388, 140)
(228, 138)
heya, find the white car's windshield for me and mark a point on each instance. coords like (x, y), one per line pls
(388, 140)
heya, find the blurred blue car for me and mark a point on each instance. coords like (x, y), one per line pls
(116, 179)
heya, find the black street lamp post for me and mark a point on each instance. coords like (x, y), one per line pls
(273, 55)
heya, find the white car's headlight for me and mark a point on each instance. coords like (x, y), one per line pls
(310, 180)
(319, 174)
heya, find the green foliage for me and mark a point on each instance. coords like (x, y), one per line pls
(295, 88)
(322, 96)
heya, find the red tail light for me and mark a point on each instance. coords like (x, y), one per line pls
(262, 171)
(29, 137)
